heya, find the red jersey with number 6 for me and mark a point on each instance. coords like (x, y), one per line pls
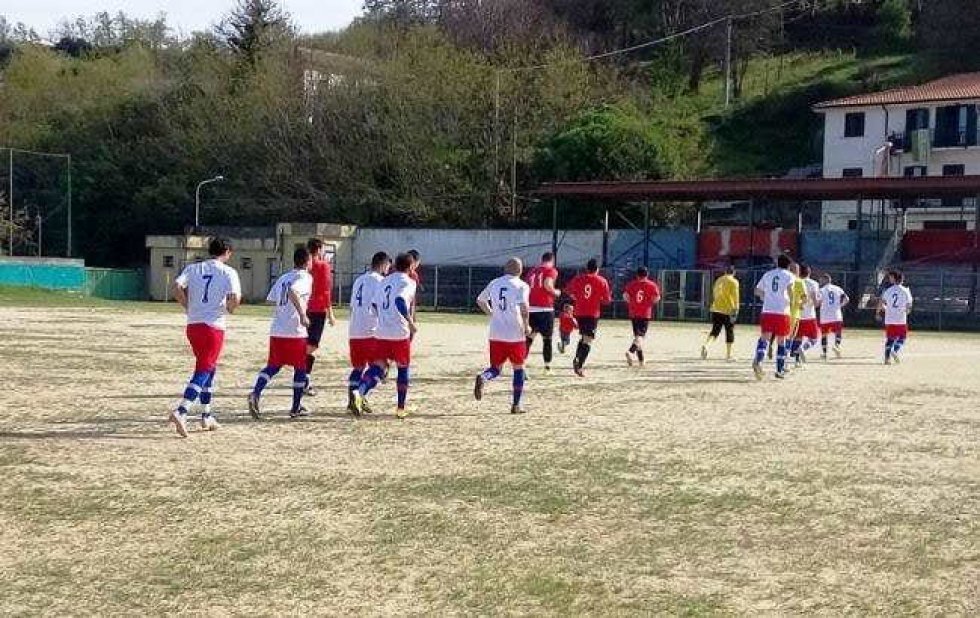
(540, 297)
(642, 295)
(591, 292)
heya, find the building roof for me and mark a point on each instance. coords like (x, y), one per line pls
(950, 88)
(767, 188)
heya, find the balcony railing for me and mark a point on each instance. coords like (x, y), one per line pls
(941, 138)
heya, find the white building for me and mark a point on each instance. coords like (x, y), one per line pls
(925, 130)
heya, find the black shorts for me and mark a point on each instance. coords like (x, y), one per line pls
(542, 322)
(588, 326)
(723, 320)
(640, 326)
(315, 332)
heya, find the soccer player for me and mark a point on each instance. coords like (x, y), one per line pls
(774, 290)
(288, 334)
(363, 323)
(320, 310)
(807, 329)
(832, 302)
(542, 279)
(567, 324)
(506, 300)
(207, 291)
(894, 305)
(725, 304)
(640, 294)
(396, 328)
(590, 291)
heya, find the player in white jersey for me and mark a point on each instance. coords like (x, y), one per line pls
(208, 291)
(808, 328)
(894, 305)
(833, 299)
(290, 295)
(393, 301)
(507, 301)
(363, 324)
(773, 289)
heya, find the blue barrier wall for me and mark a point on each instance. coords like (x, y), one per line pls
(47, 273)
(670, 249)
(828, 247)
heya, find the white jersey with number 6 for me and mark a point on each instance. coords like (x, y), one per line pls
(506, 295)
(831, 309)
(363, 314)
(392, 325)
(898, 301)
(774, 286)
(208, 285)
(285, 319)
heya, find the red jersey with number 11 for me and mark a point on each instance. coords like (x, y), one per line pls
(591, 292)
(540, 297)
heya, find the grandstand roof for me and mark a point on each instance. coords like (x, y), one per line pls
(963, 86)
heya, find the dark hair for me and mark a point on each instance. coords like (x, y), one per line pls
(592, 265)
(642, 272)
(314, 245)
(403, 261)
(414, 254)
(548, 257)
(379, 258)
(218, 246)
(783, 261)
(730, 269)
(896, 275)
(301, 257)
(805, 270)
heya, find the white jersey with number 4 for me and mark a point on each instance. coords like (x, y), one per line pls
(506, 295)
(898, 301)
(363, 314)
(208, 285)
(831, 307)
(392, 325)
(286, 319)
(775, 291)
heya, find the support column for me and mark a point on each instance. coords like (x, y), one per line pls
(605, 239)
(554, 228)
(646, 234)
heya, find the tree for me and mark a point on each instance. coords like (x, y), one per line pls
(951, 30)
(255, 27)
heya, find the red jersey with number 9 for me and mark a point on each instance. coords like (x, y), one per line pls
(540, 297)
(643, 294)
(591, 292)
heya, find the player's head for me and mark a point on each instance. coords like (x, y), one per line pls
(568, 308)
(642, 272)
(783, 261)
(592, 266)
(404, 262)
(896, 276)
(730, 269)
(416, 256)
(380, 262)
(826, 279)
(301, 257)
(315, 247)
(547, 257)
(795, 269)
(514, 266)
(219, 248)
(805, 270)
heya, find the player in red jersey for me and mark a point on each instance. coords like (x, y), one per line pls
(542, 279)
(567, 324)
(641, 294)
(320, 309)
(590, 291)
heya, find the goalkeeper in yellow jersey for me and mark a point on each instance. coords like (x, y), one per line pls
(725, 302)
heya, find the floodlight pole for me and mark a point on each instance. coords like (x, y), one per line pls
(197, 198)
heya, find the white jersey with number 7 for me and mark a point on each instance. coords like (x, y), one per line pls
(208, 285)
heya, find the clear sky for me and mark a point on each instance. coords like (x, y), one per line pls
(185, 16)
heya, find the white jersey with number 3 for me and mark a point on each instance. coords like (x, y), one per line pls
(286, 319)
(898, 300)
(208, 285)
(392, 325)
(831, 309)
(506, 295)
(363, 314)
(774, 286)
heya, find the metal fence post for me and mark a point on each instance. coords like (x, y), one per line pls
(942, 297)
(435, 291)
(469, 284)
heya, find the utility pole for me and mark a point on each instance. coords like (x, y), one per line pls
(513, 173)
(496, 136)
(10, 203)
(728, 65)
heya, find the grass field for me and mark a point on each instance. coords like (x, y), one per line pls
(686, 487)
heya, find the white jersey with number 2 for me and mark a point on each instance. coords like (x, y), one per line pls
(363, 314)
(775, 291)
(506, 295)
(898, 300)
(286, 319)
(208, 285)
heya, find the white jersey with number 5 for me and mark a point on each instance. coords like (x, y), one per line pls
(208, 285)
(898, 301)
(392, 325)
(831, 309)
(285, 319)
(363, 314)
(506, 295)
(774, 286)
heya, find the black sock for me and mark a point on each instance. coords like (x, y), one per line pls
(639, 354)
(633, 348)
(583, 352)
(310, 359)
(546, 341)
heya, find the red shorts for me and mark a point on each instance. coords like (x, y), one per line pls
(808, 329)
(207, 342)
(363, 352)
(289, 351)
(776, 323)
(398, 351)
(896, 331)
(513, 352)
(832, 327)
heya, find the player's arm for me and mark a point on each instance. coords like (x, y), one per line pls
(401, 305)
(844, 299)
(180, 295)
(328, 285)
(298, 304)
(607, 295)
(234, 297)
(760, 291)
(655, 297)
(526, 319)
(549, 286)
(483, 301)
